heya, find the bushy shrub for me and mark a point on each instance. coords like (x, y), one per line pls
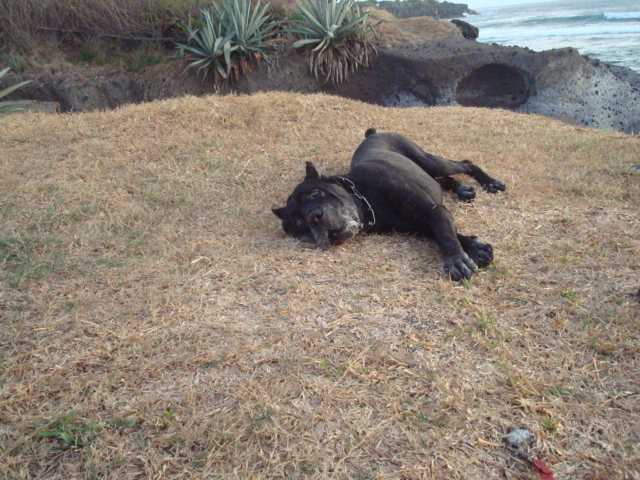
(23, 21)
(337, 35)
(231, 35)
(3, 93)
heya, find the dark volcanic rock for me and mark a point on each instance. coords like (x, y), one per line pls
(427, 8)
(35, 106)
(468, 30)
(80, 93)
(558, 83)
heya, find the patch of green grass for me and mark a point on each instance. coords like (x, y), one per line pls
(326, 368)
(518, 384)
(497, 270)
(122, 423)
(167, 417)
(569, 294)
(423, 421)
(549, 424)
(210, 364)
(146, 60)
(28, 257)
(557, 391)
(467, 283)
(605, 315)
(68, 431)
(618, 300)
(87, 55)
(307, 468)
(261, 417)
(585, 191)
(90, 470)
(601, 348)
(484, 324)
(222, 440)
(107, 262)
(135, 239)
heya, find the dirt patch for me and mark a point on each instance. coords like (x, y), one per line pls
(156, 322)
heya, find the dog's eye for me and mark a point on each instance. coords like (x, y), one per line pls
(314, 195)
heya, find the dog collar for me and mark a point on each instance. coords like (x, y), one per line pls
(358, 195)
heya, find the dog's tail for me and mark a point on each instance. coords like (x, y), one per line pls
(370, 131)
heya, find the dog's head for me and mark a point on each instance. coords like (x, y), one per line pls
(320, 210)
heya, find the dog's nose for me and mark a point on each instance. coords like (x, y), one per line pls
(315, 217)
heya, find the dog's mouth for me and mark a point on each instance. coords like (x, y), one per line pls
(325, 238)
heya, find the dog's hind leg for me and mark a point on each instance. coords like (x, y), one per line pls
(465, 192)
(441, 167)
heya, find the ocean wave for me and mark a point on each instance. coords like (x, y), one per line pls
(487, 35)
(622, 16)
(581, 19)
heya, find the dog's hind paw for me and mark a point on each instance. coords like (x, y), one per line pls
(466, 193)
(459, 266)
(494, 186)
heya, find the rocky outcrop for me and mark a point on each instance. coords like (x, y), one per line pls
(79, 91)
(452, 71)
(425, 8)
(468, 31)
(34, 106)
(559, 83)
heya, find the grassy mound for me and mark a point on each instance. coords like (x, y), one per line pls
(410, 31)
(156, 323)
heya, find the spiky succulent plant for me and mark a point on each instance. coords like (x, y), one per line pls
(231, 34)
(338, 36)
(248, 22)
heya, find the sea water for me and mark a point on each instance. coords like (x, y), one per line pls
(608, 30)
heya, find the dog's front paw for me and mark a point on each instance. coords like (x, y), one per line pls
(494, 186)
(480, 253)
(459, 266)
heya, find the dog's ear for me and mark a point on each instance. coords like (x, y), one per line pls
(279, 212)
(312, 172)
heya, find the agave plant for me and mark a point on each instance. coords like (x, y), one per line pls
(211, 45)
(249, 23)
(10, 107)
(340, 34)
(232, 33)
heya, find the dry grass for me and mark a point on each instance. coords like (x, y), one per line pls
(410, 31)
(156, 323)
(20, 20)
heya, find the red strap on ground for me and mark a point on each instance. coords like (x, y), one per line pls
(544, 471)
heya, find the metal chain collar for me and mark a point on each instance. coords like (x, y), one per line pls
(357, 194)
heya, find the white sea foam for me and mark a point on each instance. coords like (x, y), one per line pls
(622, 16)
(587, 30)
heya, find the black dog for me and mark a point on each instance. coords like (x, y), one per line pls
(392, 186)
